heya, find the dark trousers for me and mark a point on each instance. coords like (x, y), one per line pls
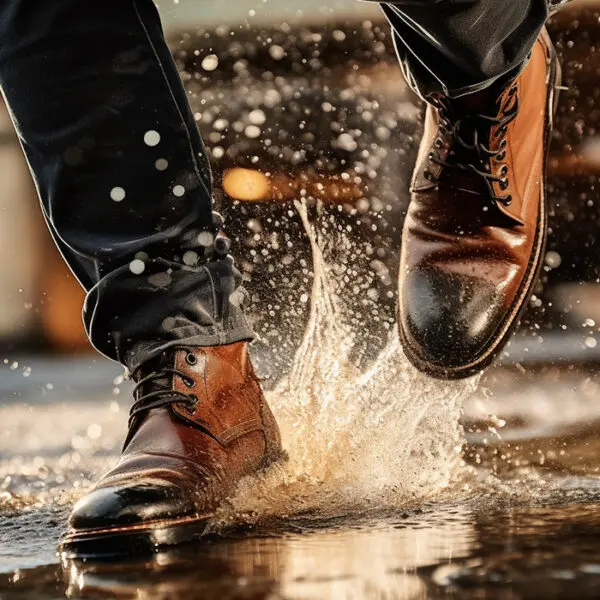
(121, 170)
(459, 47)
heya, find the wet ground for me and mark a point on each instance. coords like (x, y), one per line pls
(449, 551)
(518, 515)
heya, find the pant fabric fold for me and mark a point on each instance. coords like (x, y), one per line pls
(458, 47)
(121, 172)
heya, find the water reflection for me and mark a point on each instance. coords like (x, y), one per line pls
(363, 561)
(527, 552)
(477, 552)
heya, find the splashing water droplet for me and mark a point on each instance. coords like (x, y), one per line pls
(190, 258)
(137, 266)
(257, 117)
(152, 138)
(210, 62)
(117, 194)
(276, 52)
(205, 239)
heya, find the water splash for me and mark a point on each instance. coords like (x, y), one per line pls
(386, 436)
(361, 432)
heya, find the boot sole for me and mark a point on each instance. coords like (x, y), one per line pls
(133, 540)
(511, 321)
(140, 539)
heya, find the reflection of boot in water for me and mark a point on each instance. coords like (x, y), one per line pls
(199, 423)
(217, 570)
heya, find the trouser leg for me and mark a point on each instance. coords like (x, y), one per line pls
(121, 172)
(458, 47)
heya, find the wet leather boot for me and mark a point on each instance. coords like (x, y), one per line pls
(475, 231)
(199, 423)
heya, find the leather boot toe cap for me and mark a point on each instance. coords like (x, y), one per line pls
(129, 504)
(448, 319)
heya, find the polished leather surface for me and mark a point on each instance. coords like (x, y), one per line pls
(182, 460)
(468, 261)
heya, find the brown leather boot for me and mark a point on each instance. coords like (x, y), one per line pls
(475, 231)
(199, 424)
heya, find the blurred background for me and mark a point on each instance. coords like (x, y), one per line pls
(309, 102)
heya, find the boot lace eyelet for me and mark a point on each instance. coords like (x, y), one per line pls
(191, 407)
(191, 359)
(507, 201)
(474, 143)
(189, 382)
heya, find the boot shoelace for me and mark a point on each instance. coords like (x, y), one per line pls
(162, 394)
(450, 123)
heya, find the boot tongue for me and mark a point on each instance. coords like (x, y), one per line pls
(486, 102)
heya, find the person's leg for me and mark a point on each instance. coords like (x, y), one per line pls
(125, 186)
(476, 225)
(121, 172)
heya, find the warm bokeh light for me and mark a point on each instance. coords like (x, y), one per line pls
(252, 186)
(246, 184)
(582, 160)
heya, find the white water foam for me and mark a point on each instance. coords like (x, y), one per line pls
(386, 437)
